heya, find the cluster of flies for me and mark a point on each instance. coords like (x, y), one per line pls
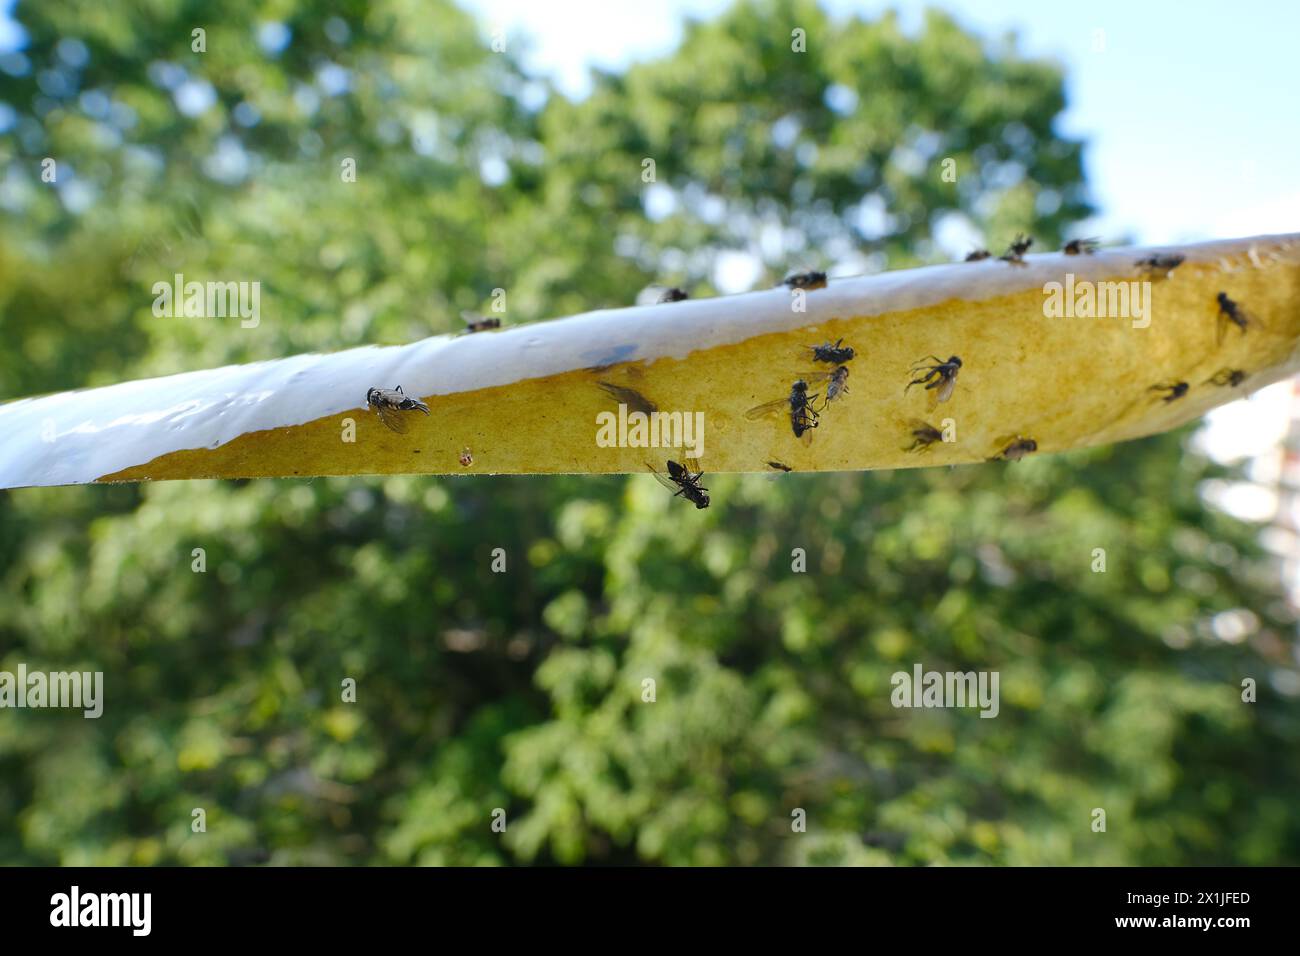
(941, 377)
(1156, 266)
(801, 280)
(1015, 253)
(932, 373)
(799, 404)
(1230, 315)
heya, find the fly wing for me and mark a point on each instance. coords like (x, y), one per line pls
(392, 418)
(768, 409)
(1003, 444)
(629, 397)
(945, 390)
(663, 479)
(1017, 450)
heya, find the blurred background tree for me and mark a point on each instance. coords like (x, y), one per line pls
(523, 690)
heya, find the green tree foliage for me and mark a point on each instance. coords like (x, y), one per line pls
(524, 690)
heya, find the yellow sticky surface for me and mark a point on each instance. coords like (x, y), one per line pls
(1064, 382)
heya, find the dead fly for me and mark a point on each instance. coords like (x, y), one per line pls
(1227, 378)
(633, 399)
(466, 457)
(1080, 247)
(923, 435)
(682, 481)
(778, 466)
(803, 418)
(674, 295)
(805, 280)
(1014, 449)
(478, 323)
(836, 354)
(978, 255)
(1176, 391)
(942, 376)
(1231, 312)
(1158, 266)
(389, 403)
(1016, 251)
(837, 383)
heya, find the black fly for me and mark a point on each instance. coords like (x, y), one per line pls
(1227, 378)
(778, 466)
(836, 354)
(803, 418)
(674, 295)
(682, 481)
(1016, 251)
(942, 376)
(477, 323)
(388, 402)
(978, 255)
(1080, 247)
(923, 435)
(1176, 391)
(837, 383)
(1014, 449)
(1159, 266)
(1231, 312)
(805, 280)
